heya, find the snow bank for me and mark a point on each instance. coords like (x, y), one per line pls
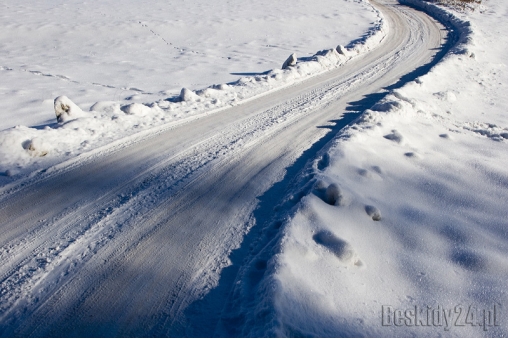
(107, 121)
(441, 241)
(425, 173)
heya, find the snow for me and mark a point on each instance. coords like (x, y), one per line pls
(66, 110)
(432, 158)
(290, 61)
(333, 195)
(403, 211)
(157, 69)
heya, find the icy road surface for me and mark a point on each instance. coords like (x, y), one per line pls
(122, 244)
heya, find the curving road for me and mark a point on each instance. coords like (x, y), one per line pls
(122, 244)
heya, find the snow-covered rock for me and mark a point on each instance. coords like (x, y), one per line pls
(37, 147)
(66, 110)
(291, 61)
(341, 50)
(188, 95)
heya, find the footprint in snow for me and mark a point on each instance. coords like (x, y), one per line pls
(333, 195)
(375, 173)
(364, 173)
(444, 136)
(412, 155)
(468, 260)
(373, 212)
(256, 275)
(394, 136)
(338, 247)
(446, 96)
(324, 162)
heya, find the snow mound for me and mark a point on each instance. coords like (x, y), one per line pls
(341, 50)
(386, 106)
(136, 109)
(211, 92)
(291, 61)
(66, 110)
(320, 185)
(188, 95)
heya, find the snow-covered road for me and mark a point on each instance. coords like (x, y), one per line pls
(122, 244)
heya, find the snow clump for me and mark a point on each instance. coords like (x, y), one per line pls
(188, 95)
(66, 110)
(136, 109)
(291, 61)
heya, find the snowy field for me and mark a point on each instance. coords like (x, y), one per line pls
(93, 51)
(121, 54)
(270, 220)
